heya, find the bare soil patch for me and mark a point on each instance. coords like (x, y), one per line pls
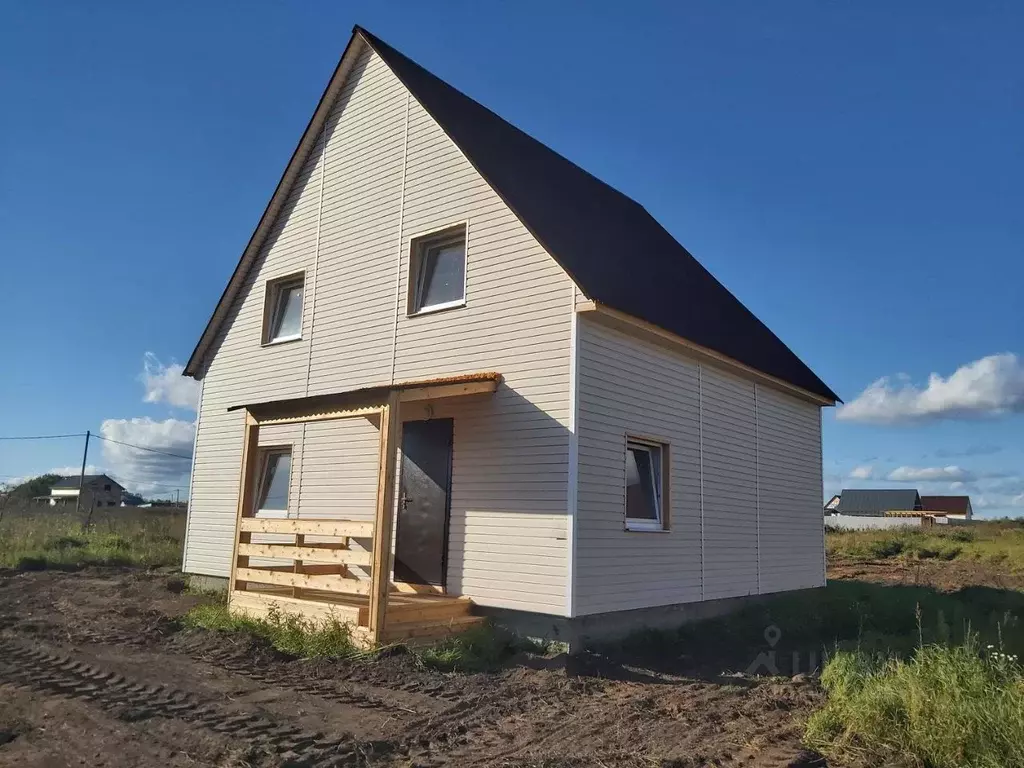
(96, 671)
(944, 576)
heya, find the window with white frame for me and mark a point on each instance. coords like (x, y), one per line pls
(282, 310)
(275, 477)
(646, 485)
(437, 279)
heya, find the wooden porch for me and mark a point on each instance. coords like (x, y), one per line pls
(341, 569)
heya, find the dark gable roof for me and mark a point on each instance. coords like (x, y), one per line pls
(609, 244)
(72, 482)
(859, 501)
(951, 505)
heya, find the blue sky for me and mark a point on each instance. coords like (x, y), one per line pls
(854, 172)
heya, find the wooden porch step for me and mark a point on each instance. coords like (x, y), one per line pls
(429, 631)
(428, 611)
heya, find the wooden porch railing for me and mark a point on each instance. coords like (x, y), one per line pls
(321, 565)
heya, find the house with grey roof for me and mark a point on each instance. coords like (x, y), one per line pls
(875, 502)
(453, 373)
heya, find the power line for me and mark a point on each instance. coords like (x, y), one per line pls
(122, 478)
(43, 437)
(143, 448)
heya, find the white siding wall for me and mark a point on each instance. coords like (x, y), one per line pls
(390, 174)
(745, 463)
(789, 479)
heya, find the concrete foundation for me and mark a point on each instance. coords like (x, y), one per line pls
(207, 583)
(585, 631)
(581, 632)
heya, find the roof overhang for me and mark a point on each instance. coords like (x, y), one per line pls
(365, 401)
(638, 328)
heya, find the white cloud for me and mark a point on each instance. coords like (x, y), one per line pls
(916, 474)
(990, 386)
(90, 469)
(144, 471)
(165, 384)
(864, 472)
(997, 501)
(165, 467)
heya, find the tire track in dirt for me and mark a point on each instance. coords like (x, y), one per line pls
(132, 701)
(329, 689)
(463, 716)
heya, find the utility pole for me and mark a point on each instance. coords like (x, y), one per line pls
(81, 477)
(177, 496)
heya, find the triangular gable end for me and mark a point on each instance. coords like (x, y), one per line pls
(584, 225)
(293, 171)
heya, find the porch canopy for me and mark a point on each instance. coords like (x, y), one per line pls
(309, 583)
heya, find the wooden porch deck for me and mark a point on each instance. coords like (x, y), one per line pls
(341, 569)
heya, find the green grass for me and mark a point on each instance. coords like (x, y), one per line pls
(999, 543)
(957, 706)
(288, 633)
(40, 539)
(843, 615)
(478, 649)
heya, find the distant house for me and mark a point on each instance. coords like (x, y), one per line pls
(832, 504)
(956, 507)
(876, 502)
(97, 490)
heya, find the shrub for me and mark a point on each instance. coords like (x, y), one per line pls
(887, 547)
(946, 707)
(962, 535)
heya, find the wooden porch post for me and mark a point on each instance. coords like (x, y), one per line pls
(390, 423)
(246, 492)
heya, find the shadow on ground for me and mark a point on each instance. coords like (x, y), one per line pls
(787, 635)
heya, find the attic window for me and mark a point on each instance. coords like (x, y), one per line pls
(437, 278)
(282, 310)
(646, 486)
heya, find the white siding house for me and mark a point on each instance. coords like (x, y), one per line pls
(536, 521)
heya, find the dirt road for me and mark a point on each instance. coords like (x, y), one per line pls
(95, 671)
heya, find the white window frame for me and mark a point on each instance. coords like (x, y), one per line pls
(419, 246)
(265, 454)
(275, 295)
(660, 494)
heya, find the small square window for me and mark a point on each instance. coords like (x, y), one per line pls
(106, 486)
(438, 271)
(275, 476)
(282, 310)
(646, 485)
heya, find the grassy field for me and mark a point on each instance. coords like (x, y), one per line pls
(37, 537)
(916, 674)
(999, 543)
(942, 687)
(947, 706)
